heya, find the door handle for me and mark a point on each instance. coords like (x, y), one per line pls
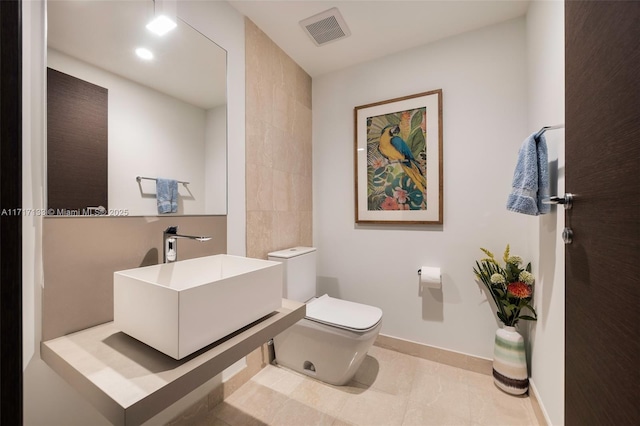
(567, 200)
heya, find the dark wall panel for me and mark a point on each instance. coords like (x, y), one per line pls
(77, 142)
(11, 386)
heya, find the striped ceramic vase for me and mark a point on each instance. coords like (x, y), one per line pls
(509, 362)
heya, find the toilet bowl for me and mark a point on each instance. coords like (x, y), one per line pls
(331, 342)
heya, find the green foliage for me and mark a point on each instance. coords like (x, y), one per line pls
(388, 185)
(509, 305)
(393, 118)
(385, 181)
(416, 142)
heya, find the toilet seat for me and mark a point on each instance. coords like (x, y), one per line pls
(343, 314)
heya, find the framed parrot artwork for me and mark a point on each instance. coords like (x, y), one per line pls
(398, 160)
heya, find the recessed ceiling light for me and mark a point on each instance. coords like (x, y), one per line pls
(161, 25)
(144, 53)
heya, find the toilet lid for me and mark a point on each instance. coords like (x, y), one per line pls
(342, 313)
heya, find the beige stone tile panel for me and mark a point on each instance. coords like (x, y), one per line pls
(440, 393)
(306, 229)
(259, 149)
(264, 103)
(321, 396)
(259, 234)
(286, 72)
(286, 231)
(387, 371)
(373, 408)
(295, 413)
(302, 193)
(435, 372)
(260, 55)
(303, 87)
(252, 404)
(283, 192)
(282, 157)
(283, 110)
(301, 123)
(260, 188)
(278, 379)
(491, 406)
(339, 422)
(297, 156)
(447, 412)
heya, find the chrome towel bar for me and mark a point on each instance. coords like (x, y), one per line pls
(139, 178)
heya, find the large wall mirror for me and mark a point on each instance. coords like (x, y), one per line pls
(116, 121)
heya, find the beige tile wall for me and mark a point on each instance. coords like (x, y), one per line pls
(278, 147)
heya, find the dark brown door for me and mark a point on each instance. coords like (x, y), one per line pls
(603, 171)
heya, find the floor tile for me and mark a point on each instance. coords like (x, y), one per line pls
(388, 371)
(252, 404)
(373, 407)
(321, 396)
(390, 388)
(493, 406)
(278, 379)
(295, 413)
(439, 395)
(436, 413)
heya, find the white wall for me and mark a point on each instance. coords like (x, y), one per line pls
(33, 131)
(483, 78)
(48, 400)
(545, 64)
(150, 134)
(215, 159)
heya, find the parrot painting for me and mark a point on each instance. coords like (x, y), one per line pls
(395, 149)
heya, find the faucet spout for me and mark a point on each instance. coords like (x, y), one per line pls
(170, 243)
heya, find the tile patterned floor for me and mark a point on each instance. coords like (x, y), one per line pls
(390, 388)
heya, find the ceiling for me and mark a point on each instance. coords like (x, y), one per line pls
(378, 28)
(187, 65)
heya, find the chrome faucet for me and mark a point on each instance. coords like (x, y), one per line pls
(170, 243)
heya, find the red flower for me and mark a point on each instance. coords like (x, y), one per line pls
(389, 204)
(519, 290)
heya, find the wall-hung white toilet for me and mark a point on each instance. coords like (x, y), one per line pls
(333, 339)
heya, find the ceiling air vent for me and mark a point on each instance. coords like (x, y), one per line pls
(326, 27)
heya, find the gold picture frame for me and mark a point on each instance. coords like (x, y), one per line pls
(398, 160)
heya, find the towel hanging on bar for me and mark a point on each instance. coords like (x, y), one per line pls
(530, 178)
(139, 178)
(545, 128)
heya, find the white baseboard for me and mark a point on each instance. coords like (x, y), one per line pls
(538, 407)
(432, 353)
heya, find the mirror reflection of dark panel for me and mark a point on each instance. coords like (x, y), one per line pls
(76, 144)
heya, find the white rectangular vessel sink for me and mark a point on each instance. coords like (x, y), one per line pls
(181, 307)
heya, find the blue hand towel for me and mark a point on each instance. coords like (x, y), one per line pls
(167, 195)
(531, 178)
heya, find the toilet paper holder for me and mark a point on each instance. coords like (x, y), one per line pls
(420, 272)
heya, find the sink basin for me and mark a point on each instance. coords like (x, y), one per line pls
(181, 307)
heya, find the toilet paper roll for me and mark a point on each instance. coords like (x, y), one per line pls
(430, 277)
